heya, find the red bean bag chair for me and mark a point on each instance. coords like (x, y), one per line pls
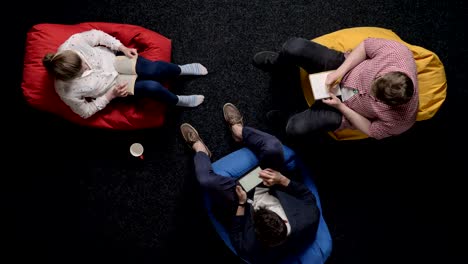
(38, 88)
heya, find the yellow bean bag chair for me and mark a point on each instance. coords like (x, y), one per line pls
(431, 73)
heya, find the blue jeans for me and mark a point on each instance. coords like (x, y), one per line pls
(150, 74)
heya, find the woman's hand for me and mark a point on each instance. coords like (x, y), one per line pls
(271, 177)
(118, 90)
(131, 53)
(241, 194)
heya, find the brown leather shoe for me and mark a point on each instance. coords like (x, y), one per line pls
(232, 116)
(191, 136)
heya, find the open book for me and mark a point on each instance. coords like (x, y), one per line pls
(126, 68)
(319, 89)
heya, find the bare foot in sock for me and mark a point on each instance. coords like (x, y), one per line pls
(193, 69)
(190, 100)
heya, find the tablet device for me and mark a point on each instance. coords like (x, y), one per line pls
(250, 180)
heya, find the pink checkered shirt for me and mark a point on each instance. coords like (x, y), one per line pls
(383, 56)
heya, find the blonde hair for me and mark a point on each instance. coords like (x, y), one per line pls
(65, 65)
(393, 88)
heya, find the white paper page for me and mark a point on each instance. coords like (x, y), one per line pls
(319, 89)
(125, 65)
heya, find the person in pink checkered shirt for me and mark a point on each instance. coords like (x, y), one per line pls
(379, 87)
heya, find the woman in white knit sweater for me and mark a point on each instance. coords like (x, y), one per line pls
(86, 78)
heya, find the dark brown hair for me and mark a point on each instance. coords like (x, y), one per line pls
(270, 229)
(393, 88)
(64, 66)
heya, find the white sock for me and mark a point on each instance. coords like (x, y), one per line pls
(193, 69)
(190, 100)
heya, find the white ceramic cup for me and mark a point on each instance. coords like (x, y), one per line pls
(136, 149)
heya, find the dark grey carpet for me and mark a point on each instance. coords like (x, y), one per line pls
(76, 195)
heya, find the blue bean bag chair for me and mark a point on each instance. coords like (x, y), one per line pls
(239, 162)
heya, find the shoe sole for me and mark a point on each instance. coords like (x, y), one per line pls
(196, 132)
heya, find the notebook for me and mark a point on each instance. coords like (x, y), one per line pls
(319, 89)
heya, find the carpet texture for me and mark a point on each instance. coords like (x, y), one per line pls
(75, 195)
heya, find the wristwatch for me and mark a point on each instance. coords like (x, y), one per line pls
(242, 204)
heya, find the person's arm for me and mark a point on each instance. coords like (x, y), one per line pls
(274, 178)
(308, 217)
(129, 52)
(242, 233)
(298, 190)
(271, 177)
(86, 109)
(95, 38)
(356, 56)
(357, 120)
(242, 195)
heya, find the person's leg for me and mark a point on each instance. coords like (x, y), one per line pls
(296, 52)
(150, 72)
(266, 147)
(310, 56)
(160, 70)
(300, 52)
(156, 70)
(220, 189)
(155, 90)
(319, 118)
(193, 69)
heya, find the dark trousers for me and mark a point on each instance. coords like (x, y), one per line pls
(221, 189)
(312, 57)
(150, 75)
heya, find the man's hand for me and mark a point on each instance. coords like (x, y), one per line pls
(241, 194)
(131, 53)
(333, 101)
(271, 177)
(332, 80)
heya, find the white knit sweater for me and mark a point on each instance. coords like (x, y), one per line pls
(85, 94)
